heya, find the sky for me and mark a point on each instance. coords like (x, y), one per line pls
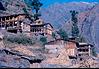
(46, 3)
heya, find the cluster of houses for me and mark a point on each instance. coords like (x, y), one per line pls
(14, 23)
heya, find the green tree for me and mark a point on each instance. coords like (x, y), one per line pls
(63, 34)
(35, 5)
(43, 40)
(54, 35)
(94, 52)
(75, 29)
(81, 39)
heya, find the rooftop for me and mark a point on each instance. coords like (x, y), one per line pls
(15, 15)
(33, 25)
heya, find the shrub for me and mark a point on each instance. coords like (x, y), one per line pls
(54, 35)
(20, 39)
(43, 40)
(94, 52)
(63, 34)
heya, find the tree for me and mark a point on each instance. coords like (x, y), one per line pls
(75, 29)
(35, 5)
(54, 35)
(43, 40)
(63, 34)
(94, 52)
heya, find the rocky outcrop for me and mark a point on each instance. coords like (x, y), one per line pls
(10, 61)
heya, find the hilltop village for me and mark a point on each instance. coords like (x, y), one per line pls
(52, 52)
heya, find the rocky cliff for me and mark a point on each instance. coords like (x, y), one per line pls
(14, 7)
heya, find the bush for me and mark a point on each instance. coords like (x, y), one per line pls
(94, 52)
(43, 40)
(63, 34)
(20, 39)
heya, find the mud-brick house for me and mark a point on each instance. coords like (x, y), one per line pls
(12, 22)
(84, 50)
(71, 48)
(39, 27)
(54, 46)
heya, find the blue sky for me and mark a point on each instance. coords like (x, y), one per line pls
(49, 2)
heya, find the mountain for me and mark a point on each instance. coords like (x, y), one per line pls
(89, 25)
(88, 19)
(58, 14)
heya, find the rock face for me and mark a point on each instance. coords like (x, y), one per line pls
(14, 7)
(7, 61)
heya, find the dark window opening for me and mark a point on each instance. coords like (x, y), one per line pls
(7, 18)
(3, 19)
(81, 59)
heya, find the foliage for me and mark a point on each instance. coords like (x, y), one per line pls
(94, 52)
(75, 29)
(35, 5)
(63, 34)
(81, 39)
(43, 40)
(20, 39)
(53, 35)
(24, 9)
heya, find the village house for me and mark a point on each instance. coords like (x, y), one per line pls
(84, 51)
(39, 27)
(12, 22)
(70, 46)
(54, 45)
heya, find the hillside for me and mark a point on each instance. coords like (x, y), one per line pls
(21, 51)
(58, 14)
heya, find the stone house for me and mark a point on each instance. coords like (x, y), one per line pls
(71, 48)
(84, 50)
(12, 22)
(54, 46)
(39, 27)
